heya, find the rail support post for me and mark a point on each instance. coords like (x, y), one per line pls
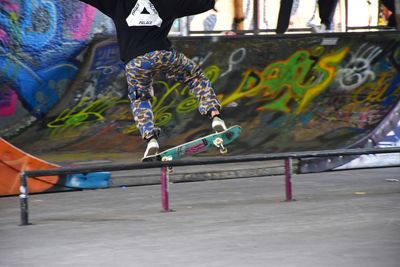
(23, 199)
(288, 178)
(164, 188)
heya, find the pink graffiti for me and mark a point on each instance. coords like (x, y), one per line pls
(196, 148)
(84, 23)
(4, 37)
(8, 102)
(8, 6)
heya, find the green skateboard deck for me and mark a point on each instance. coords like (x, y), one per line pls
(216, 140)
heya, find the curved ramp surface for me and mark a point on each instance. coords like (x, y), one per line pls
(289, 93)
(13, 161)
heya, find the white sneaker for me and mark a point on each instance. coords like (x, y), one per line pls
(318, 28)
(152, 148)
(218, 124)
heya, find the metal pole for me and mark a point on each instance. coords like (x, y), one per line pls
(23, 198)
(397, 12)
(164, 188)
(347, 16)
(184, 26)
(256, 18)
(288, 178)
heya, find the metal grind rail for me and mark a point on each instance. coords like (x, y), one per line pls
(165, 165)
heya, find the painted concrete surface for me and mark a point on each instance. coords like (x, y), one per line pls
(321, 91)
(63, 94)
(347, 218)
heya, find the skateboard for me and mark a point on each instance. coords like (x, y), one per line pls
(218, 140)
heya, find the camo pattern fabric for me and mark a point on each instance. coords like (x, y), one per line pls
(171, 65)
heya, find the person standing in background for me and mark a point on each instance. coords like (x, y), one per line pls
(326, 10)
(390, 5)
(285, 11)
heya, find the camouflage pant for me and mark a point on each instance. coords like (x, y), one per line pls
(172, 65)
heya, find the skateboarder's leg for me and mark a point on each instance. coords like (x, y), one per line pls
(184, 70)
(327, 11)
(284, 16)
(139, 74)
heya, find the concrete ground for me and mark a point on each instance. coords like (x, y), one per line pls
(346, 218)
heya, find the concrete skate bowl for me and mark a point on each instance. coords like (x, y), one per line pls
(290, 93)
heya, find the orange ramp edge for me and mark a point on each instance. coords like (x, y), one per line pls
(13, 161)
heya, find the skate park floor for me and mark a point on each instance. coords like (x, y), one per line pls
(342, 218)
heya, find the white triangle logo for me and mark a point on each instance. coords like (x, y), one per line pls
(144, 14)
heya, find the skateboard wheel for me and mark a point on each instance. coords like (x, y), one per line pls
(223, 150)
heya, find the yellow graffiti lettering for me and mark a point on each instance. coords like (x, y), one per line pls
(298, 79)
(373, 91)
(327, 67)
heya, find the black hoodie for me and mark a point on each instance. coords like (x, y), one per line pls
(143, 25)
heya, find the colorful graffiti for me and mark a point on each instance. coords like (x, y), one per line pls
(313, 94)
(40, 40)
(8, 100)
(63, 91)
(300, 78)
(288, 93)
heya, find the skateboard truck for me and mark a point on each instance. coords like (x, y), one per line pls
(219, 142)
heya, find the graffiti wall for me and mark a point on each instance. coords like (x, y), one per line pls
(40, 41)
(63, 91)
(299, 92)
